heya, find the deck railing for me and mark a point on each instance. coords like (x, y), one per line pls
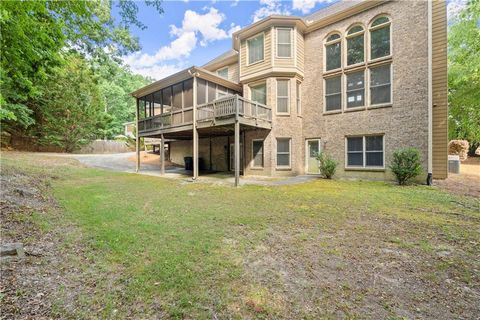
(226, 107)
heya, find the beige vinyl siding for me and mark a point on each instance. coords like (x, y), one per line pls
(246, 69)
(233, 74)
(439, 89)
(300, 51)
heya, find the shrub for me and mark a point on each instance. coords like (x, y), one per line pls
(459, 147)
(327, 166)
(406, 164)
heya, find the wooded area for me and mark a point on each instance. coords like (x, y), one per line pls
(62, 80)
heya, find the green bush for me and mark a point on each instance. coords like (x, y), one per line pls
(327, 166)
(406, 164)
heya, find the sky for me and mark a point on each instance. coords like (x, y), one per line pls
(193, 32)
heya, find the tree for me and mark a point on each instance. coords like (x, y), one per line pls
(464, 75)
(73, 106)
(36, 34)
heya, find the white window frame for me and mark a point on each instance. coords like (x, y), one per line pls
(327, 43)
(257, 84)
(277, 42)
(248, 50)
(380, 105)
(341, 75)
(370, 29)
(289, 153)
(222, 69)
(364, 153)
(288, 97)
(365, 91)
(263, 154)
(365, 42)
(298, 88)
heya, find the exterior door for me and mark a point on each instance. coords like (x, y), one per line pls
(232, 157)
(313, 148)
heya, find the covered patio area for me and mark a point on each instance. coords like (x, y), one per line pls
(195, 104)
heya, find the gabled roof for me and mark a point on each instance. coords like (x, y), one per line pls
(330, 10)
(230, 56)
(184, 75)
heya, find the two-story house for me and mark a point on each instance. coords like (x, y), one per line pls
(357, 80)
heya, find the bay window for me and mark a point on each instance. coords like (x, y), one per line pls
(258, 93)
(284, 42)
(282, 96)
(283, 152)
(255, 48)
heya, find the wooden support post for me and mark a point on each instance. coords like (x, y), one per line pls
(237, 146)
(162, 155)
(137, 141)
(195, 132)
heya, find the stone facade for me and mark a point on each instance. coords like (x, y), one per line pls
(403, 123)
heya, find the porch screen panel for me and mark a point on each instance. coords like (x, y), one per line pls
(167, 99)
(177, 96)
(212, 91)
(188, 93)
(201, 91)
(157, 103)
(141, 108)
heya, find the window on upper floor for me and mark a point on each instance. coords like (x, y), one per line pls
(365, 151)
(333, 93)
(356, 89)
(355, 45)
(333, 52)
(223, 72)
(259, 93)
(255, 48)
(282, 96)
(284, 42)
(381, 85)
(380, 42)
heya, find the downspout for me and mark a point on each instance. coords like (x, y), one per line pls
(430, 97)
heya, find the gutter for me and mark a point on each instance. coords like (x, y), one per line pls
(430, 97)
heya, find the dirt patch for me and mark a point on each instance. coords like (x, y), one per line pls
(152, 159)
(35, 287)
(467, 183)
(364, 275)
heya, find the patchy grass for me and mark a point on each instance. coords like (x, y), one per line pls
(326, 249)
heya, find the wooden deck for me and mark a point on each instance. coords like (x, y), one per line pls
(222, 112)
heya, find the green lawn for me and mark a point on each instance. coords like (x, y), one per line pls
(325, 249)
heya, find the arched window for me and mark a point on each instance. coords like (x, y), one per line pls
(333, 52)
(380, 42)
(355, 45)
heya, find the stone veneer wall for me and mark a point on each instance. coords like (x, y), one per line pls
(405, 123)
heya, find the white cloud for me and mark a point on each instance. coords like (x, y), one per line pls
(196, 28)
(454, 7)
(234, 3)
(306, 5)
(268, 8)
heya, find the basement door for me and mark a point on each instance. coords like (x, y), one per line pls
(312, 149)
(232, 157)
